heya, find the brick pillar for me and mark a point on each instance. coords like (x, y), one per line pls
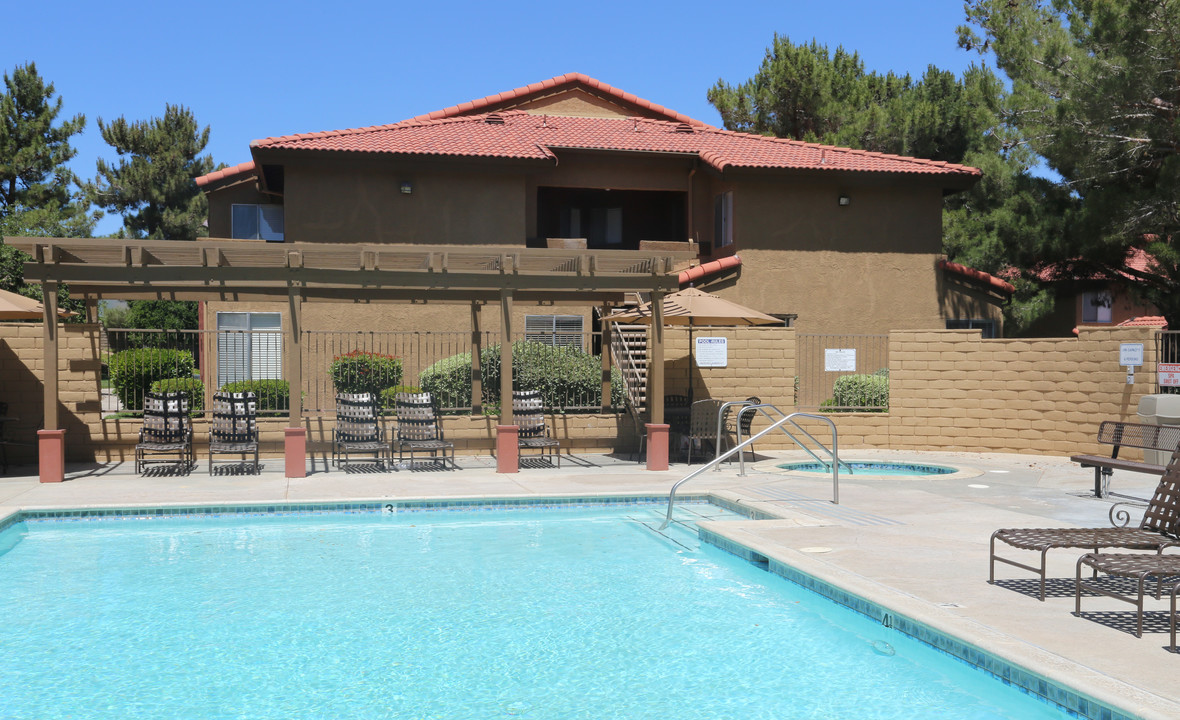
(507, 450)
(295, 451)
(51, 452)
(657, 446)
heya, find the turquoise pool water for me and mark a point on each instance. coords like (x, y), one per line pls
(873, 468)
(570, 613)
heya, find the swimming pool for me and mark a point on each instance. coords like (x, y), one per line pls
(559, 613)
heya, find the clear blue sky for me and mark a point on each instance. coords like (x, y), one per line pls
(258, 69)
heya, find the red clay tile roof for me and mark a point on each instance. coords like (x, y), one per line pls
(1145, 321)
(709, 269)
(978, 275)
(239, 169)
(516, 134)
(561, 82)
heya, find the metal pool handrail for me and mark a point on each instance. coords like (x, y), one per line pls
(742, 446)
(834, 459)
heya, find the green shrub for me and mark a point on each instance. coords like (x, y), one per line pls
(566, 377)
(133, 371)
(388, 396)
(191, 385)
(361, 372)
(270, 395)
(862, 391)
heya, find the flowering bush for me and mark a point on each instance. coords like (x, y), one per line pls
(361, 372)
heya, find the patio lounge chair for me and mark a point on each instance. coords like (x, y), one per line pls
(1158, 529)
(234, 429)
(702, 427)
(418, 429)
(528, 414)
(167, 430)
(358, 429)
(1140, 567)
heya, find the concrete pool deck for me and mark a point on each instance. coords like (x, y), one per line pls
(917, 546)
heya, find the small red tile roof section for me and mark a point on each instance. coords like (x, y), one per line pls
(508, 98)
(515, 134)
(1137, 260)
(978, 275)
(708, 269)
(1145, 321)
(239, 169)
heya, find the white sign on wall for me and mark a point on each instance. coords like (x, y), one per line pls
(840, 359)
(712, 352)
(1131, 354)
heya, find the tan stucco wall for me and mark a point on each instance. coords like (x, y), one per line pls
(949, 390)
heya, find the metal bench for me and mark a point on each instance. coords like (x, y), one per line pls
(1121, 435)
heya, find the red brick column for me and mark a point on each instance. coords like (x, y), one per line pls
(51, 452)
(657, 447)
(507, 449)
(295, 451)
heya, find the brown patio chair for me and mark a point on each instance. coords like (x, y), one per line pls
(358, 429)
(1140, 567)
(234, 428)
(529, 416)
(1158, 529)
(167, 430)
(702, 427)
(418, 429)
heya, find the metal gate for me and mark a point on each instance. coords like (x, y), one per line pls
(823, 359)
(1167, 351)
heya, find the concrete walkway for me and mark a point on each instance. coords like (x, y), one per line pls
(916, 546)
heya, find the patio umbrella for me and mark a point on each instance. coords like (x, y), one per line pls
(695, 308)
(19, 307)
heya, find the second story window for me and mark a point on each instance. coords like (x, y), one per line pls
(722, 220)
(258, 222)
(1096, 307)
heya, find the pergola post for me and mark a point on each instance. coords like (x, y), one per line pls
(607, 406)
(507, 433)
(295, 435)
(476, 370)
(657, 430)
(51, 442)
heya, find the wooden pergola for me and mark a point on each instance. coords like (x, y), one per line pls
(295, 273)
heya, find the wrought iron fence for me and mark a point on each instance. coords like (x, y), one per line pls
(1167, 352)
(825, 360)
(200, 362)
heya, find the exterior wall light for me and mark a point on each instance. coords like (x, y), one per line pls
(407, 188)
(844, 200)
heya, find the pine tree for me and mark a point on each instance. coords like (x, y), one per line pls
(36, 187)
(1096, 92)
(152, 187)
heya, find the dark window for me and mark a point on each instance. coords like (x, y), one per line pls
(988, 327)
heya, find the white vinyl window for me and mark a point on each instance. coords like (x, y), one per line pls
(249, 346)
(722, 220)
(1096, 306)
(258, 222)
(555, 330)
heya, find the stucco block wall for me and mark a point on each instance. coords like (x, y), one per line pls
(949, 390)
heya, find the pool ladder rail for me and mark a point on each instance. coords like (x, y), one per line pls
(765, 409)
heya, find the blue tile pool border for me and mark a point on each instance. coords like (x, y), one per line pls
(1065, 698)
(358, 508)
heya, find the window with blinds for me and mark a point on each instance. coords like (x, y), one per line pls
(249, 346)
(555, 330)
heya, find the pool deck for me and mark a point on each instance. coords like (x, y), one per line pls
(918, 546)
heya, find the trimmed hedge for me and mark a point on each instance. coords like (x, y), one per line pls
(361, 372)
(133, 371)
(870, 392)
(270, 395)
(193, 386)
(388, 397)
(566, 377)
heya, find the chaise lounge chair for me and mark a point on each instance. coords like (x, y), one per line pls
(418, 430)
(1158, 529)
(1140, 567)
(234, 428)
(358, 429)
(167, 431)
(529, 416)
